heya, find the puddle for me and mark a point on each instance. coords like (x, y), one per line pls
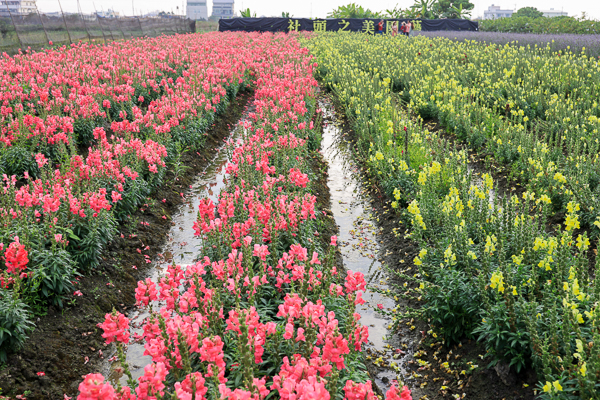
(357, 241)
(476, 177)
(358, 244)
(181, 248)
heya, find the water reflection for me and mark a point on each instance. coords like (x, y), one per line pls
(358, 240)
(181, 247)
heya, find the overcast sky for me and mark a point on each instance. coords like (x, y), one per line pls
(308, 8)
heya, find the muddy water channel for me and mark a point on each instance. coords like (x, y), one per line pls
(360, 248)
(181, 247)
(357, 239)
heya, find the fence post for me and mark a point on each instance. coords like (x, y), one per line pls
(14, 25)
(156, 27)
(141, 27)
(42, 22)
(154, 24)
(100, 24)
(101, 28)
(120, 28)
(396, 106)
(110, 30)
(406, 136)
(84, 24)
(65, 21)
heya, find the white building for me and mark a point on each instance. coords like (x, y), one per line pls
(17, 7)
(108, 14)
(223, 8)
(553, 13)
(494, 12)
(197, 9)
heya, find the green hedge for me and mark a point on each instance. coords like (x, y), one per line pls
(541, 25)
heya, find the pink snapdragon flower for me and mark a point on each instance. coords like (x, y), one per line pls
(116, 328)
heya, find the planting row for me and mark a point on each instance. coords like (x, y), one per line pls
(488, 269)
(535, 110)
(264, 312)
(87, 134)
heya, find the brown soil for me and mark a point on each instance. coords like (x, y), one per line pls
(67, 344)
(397, 254)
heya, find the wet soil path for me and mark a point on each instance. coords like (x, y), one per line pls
(409, 352)
(181, 247)
(359, 245)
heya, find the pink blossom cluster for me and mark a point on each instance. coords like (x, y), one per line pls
(208, 331)
(131, 96)
(43, 94)
(15, 258)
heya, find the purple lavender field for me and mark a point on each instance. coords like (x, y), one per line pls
(564, 42)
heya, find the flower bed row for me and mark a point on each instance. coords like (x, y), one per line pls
(488, 268)
(534, 109)
(86, 134)
(264, 312)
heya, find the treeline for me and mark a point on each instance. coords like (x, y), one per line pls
(541, 25)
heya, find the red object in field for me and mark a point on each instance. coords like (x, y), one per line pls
(16, 257)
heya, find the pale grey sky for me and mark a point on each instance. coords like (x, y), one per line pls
(308, 8)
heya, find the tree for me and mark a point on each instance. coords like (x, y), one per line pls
(285, 15)
(5, 28)
(426, 9)
(353, 10)
(247, 13)
(395, 13)
(455, 9)
(530, 12)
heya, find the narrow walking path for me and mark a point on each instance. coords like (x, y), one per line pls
(360, 246)
(181, 247)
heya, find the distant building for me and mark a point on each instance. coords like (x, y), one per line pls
(223, 8)
(494, 12)
(108, 14)
(554, 13)
(197, 9)
(17, 7)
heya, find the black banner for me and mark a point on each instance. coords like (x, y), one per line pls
(347, 24)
